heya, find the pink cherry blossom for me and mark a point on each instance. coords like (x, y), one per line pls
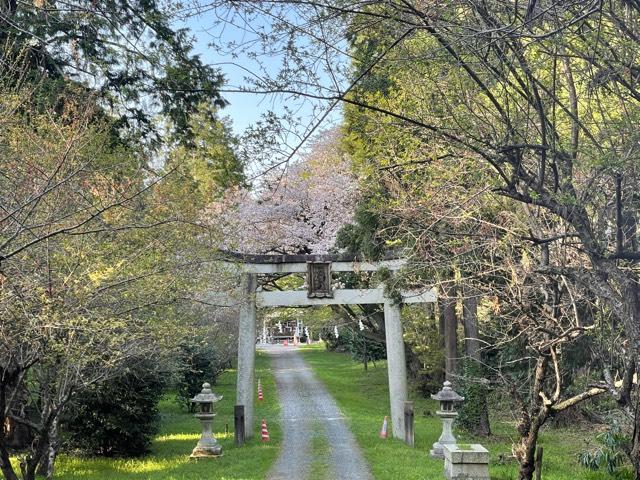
(298, 211)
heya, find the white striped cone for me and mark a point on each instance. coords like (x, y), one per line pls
(385, 425)
(260, 396)
(265, 432)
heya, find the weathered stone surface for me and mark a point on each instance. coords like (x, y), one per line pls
(470, 462)
(396, 365)
(247, 352)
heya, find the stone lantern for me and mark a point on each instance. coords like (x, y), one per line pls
(447, 398)
(207, 445)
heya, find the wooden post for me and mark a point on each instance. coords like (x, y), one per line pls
(238, 423)
(408, 423)
(538, 463)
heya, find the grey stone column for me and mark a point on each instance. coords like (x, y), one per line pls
(247, 351)
(396, 366)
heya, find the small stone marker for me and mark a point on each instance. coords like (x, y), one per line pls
(408, 423)
(466, 462)
(238, 424)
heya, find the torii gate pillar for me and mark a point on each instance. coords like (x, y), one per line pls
(247, 351)
(396, 366)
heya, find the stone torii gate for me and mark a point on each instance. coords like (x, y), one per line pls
(318, 269)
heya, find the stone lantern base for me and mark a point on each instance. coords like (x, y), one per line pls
(207, 452)
(466, 462)
(446, 437)
(208, 446)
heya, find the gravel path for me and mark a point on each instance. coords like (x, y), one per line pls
(309, 417)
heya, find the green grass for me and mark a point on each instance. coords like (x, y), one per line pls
(364, 400)
(320, 448)
(169, 458)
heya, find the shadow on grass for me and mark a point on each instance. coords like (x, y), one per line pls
(169, 457)
(364, 399)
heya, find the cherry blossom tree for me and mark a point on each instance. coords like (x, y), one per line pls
(298, 209)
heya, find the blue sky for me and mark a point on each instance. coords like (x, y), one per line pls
(245, 108)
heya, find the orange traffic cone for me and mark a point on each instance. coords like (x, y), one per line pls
(260, 396)
(265, 432)
(385, 424)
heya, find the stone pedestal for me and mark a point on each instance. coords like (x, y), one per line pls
(207, 445)
(446, 437)
(466, 462)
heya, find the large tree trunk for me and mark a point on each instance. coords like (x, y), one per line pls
(470, 320)
(533, 417)
(528, 443)
(5, 463)
(627, 308)
(450, 329)
(481, 425)
(635, 446)
(48, 459)
(633, 302)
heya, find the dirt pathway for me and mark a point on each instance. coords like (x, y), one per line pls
(311, 420)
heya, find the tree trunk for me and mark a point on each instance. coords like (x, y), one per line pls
(530, 423)
(450, 329)
(5, 464)
(529, 443)
(441, 328)
(632, 327)
(527, 468)
(51, 452)
(481, 425)
(635, 445)
(366, 359)
(635, 438)
(470, 320)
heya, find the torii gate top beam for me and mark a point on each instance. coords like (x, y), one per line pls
(266, 264)
(269, 264)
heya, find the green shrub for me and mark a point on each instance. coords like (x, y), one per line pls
(473, 414)
(201, 362)
(117, 417)
(611, 455)
(355, 343)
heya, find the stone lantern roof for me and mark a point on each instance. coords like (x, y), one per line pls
(447, 394)
(206, 395)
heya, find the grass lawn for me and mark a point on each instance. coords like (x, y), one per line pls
(179, 433)
(364, 399)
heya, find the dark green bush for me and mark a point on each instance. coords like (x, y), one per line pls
(117, 417)
(473, 414)
(201, 362)
(356, 343)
